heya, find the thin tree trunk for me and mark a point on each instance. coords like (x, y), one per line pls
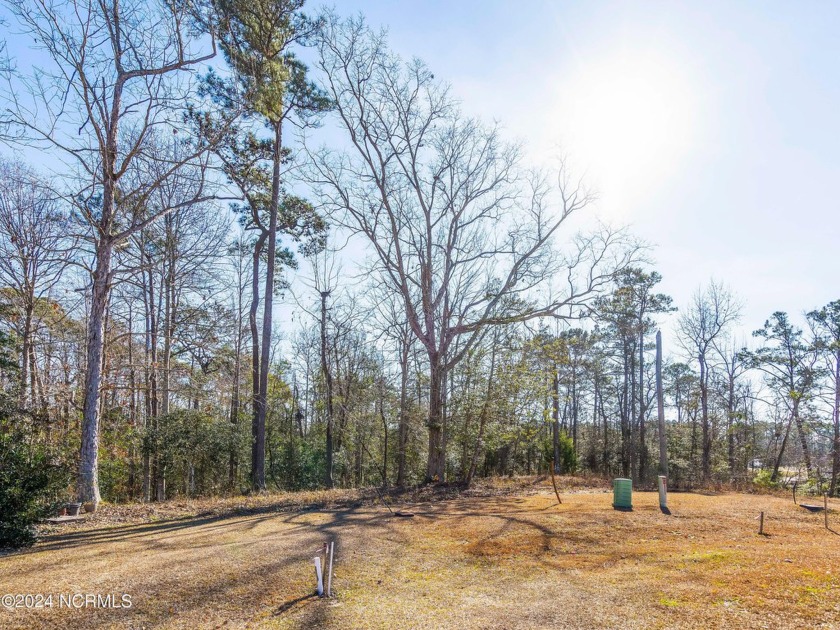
(484, 413)
(233, 463)
(403, 429)
(257, 446)
(803, 441)
(258, 468)
(775, 475)
(384, 433)
(730, 432)
(555, 417)
(328, 384)
(706, 462)
(835, 462)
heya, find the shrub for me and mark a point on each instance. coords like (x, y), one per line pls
(568, 456)
(31, 485)
(762, 480)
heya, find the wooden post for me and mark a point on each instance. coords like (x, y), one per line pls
(761, 525)
(663, 491)
(553, 482)
(660, 409)
(825, 508)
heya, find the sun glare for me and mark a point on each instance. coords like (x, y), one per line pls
(629, 119)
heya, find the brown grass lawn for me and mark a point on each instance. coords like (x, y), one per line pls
(509, 560)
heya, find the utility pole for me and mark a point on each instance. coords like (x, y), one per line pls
(660, 406)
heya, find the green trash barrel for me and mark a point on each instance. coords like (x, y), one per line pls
(623, 494)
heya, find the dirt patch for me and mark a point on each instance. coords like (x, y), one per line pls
(509, 558)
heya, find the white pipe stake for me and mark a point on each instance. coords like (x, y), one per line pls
(329, 572)
(318, 575)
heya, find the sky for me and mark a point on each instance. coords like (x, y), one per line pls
(710, 128)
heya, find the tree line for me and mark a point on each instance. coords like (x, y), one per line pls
(478, 335)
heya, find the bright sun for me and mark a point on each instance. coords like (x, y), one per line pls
(629, 119)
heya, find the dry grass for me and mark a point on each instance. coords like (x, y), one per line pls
(502, 557)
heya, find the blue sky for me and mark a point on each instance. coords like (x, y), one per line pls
(710, 128)
(733, 107)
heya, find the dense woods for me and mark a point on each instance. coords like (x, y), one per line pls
(171, 171)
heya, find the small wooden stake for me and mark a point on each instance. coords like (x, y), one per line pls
(663, 491)
(761, 525)
(554, 483)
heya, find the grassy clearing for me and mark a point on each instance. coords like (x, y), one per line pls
(502, 558)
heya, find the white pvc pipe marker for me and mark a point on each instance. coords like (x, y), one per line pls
(330, 570)
(663, 491)
(319, 576)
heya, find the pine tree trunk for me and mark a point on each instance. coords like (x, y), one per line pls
(258, 464)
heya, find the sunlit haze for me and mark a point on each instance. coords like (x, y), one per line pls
(709, 128)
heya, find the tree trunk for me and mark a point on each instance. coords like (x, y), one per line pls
(730, 432)
(775, 475)
(328, 384)
(25, 354)
(643, 451)
(87, 484)
(436, 468)
(803, 440)
(169, 308)
(555, 419)
(233, 460)
(706, 462)
(835, 461)
(625, 416)
(479, 446)
(403, 429)
(257, 448)
(384, 434)
(268, 304)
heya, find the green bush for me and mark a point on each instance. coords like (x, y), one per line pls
(762, 480)
(31, 486)
(192, 449)
(568, 457)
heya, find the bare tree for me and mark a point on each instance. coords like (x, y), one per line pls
(704, 321)
(732, 368)
(465, 237)
(35, 250)
(115, 76)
